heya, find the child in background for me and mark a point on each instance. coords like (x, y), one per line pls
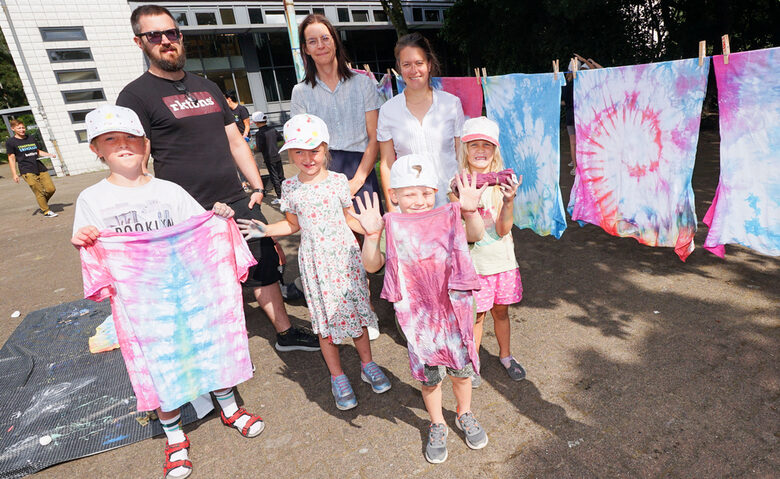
(265, 142)
(429, 278)
(23, 150)
(128, 200)
(316, 202)
(493, 255)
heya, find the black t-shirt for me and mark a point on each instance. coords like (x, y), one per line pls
(240, 113)
(25, 150)
(189, 143)
(266, 143)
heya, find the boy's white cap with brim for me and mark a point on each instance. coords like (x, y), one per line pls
(304, 132)
(259, 117)
(413, 170)
(107, 118)
(480, 128)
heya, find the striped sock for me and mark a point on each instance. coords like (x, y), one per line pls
(175, 435)
(227, 401)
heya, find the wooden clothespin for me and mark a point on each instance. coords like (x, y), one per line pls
(555, 69)
(484, 72)
(349, 65)
(726, 48)
(367, 68)
(476, 72)
(702, 51)
(395, 73)
(575, 66)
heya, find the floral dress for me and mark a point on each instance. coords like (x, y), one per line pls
(332, 273)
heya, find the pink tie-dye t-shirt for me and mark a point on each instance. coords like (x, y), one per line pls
(177, 305)
(430, 278)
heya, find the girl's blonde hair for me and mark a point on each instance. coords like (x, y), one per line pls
(496, 165)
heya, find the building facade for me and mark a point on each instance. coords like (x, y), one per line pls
(73, 55)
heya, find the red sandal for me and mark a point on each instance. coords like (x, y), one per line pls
(230, 421)
(169, 466)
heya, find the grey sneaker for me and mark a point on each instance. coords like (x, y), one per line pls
(476, 438)
(375, 377)
(342, 392)
(515, 371)
(436, 449)
(476, 381)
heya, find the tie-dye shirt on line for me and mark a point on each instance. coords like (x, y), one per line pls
(637, 128)
(746, 208)
(177, 305)
(430, 278)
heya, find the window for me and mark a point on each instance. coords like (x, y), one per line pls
(380, 16)
(205, 18)
(81, 136)
(57, 34)
(343, 15)
(417, 14)
(79, 96)
(275, 17)
(255, 15)
(180, 17)
(301, 13)
(360, 15)
(227, 16)
(75, 76)
(69, 55)
(431, 15)
(78, 116)
(320, 11)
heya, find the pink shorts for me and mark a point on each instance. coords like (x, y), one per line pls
(499, 288)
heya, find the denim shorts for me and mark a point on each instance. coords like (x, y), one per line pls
(435, 374)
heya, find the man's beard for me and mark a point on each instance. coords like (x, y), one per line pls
(166, 65)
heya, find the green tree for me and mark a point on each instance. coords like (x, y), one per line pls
(11, 91)
(395, 13)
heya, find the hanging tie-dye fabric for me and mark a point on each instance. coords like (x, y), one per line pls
(527, 110)
(746, 208)
(467, 89)
(384, 87)
(637, 129)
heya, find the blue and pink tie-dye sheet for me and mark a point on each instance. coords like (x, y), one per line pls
(384, 87)
(746, 208)
(467, 89)
(177, 306)
(637, 129)
(527, 110)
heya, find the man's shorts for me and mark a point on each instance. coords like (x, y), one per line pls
(267, 269)
(435, 374)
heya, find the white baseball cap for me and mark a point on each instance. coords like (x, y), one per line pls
(107, 118)
(259, 117)
(304, 131)
(480, 128)
(413, 170)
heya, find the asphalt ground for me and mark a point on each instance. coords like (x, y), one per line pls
(639, 365)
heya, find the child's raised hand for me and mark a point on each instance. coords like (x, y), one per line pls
(251, 229)
(223, 210)
(469, 193)
(369, 214)
(85, 236)
(509, 190)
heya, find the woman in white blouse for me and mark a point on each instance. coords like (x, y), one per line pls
(420, 120)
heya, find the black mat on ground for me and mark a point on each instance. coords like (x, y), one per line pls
(60, 402)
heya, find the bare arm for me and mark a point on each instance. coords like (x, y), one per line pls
(256, 229)
(245, 162)
(353, 223)
(386, 160)
(506, 213)
(369, 156)
(372, 225)
(246, 128)
(12, 164)
(46, 154)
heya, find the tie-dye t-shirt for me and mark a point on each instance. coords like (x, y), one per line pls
(177, 305)
(430, 278)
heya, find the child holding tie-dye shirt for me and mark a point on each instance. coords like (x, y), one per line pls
(130, 206)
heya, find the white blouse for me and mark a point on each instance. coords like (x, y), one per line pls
(435, 137)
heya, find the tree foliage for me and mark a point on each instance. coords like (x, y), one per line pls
(11, 91)
(526, 35)
(395, 13)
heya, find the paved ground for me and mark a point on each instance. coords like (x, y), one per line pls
(639, 365)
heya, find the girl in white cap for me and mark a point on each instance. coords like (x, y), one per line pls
(493, 255)
(316, 202)
(130, 201)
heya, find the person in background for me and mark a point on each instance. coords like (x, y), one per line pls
(266, 142)
(23, 151)
(240, 113)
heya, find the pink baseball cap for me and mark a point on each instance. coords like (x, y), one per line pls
(480, 128)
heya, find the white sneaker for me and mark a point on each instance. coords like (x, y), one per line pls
(50, 214)
(373, 333)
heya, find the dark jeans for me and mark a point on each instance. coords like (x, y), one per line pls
(276, 172)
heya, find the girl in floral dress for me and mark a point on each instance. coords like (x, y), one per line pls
(316, 202)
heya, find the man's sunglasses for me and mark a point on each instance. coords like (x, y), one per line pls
(182, 88)
(173, 35)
